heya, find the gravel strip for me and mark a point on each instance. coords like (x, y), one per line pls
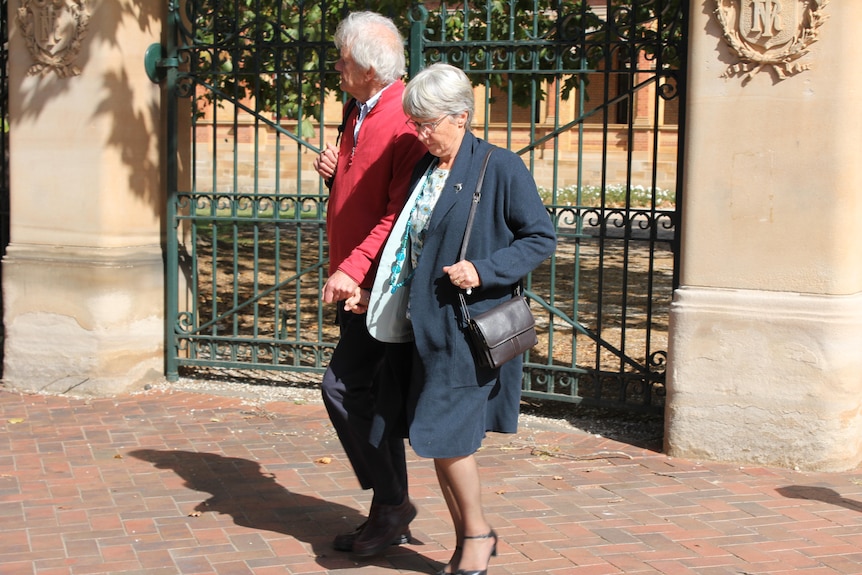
(259, 388)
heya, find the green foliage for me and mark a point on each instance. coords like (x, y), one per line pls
(518, 45)
(275, 53)
(279, 53)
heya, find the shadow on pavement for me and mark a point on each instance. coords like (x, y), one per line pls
(254, 499)
(816, 493)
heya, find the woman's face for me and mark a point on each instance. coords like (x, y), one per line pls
(442, 136)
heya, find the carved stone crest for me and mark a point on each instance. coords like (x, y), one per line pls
(53, 31)
(773, 33)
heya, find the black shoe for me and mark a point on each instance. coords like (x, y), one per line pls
(385, 524)
(344, 541)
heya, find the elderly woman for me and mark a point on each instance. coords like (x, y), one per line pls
(452, 400)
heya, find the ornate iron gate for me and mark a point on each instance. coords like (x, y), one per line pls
(588, 92)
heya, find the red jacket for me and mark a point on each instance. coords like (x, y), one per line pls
(370, 185)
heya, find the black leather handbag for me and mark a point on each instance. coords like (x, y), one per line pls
(505, 331)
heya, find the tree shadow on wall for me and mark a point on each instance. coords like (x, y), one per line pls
(135, 120)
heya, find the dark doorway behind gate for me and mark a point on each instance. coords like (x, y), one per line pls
(4, 150)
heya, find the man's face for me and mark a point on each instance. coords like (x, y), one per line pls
(354, 80)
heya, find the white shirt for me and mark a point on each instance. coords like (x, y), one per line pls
(364, 108)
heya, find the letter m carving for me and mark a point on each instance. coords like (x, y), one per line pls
(766, 17)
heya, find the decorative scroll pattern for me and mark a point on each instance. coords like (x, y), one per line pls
(519, 45)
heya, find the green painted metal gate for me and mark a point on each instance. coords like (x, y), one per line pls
(588, 92)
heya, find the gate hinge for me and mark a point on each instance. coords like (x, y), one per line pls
(155, 63)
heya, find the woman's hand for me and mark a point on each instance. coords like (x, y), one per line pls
(463, 275)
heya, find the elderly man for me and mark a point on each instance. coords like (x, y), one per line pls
(368, 173)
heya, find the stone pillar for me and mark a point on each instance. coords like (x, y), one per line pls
(83, 277)
(766, 330)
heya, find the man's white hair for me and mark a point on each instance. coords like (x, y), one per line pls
(373, 41)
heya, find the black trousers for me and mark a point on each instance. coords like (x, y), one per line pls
(350, 394)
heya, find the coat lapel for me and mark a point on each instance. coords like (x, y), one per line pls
(461, 181)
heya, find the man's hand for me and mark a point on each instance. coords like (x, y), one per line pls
(358, 302)
(325, 163)
(339, 286)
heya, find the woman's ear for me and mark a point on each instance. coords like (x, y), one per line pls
(461, 119)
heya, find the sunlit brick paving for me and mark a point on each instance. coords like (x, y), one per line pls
(179, 482)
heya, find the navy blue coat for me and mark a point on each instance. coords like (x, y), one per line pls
(451, 401)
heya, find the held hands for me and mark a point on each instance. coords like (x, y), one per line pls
(339, 286)
(325, 163)
(358, 302)
(463, 275)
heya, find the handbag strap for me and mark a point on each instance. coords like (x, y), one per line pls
(477, 194)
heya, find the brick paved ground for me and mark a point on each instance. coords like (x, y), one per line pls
(175, 482)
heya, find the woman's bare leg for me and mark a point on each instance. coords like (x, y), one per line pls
(455, 512)
(460, 475)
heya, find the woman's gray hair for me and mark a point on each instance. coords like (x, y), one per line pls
(439, 90)
(373, 41)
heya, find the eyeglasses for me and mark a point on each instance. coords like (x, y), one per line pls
(425, 127)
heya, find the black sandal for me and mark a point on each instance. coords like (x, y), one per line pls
(491, 535)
